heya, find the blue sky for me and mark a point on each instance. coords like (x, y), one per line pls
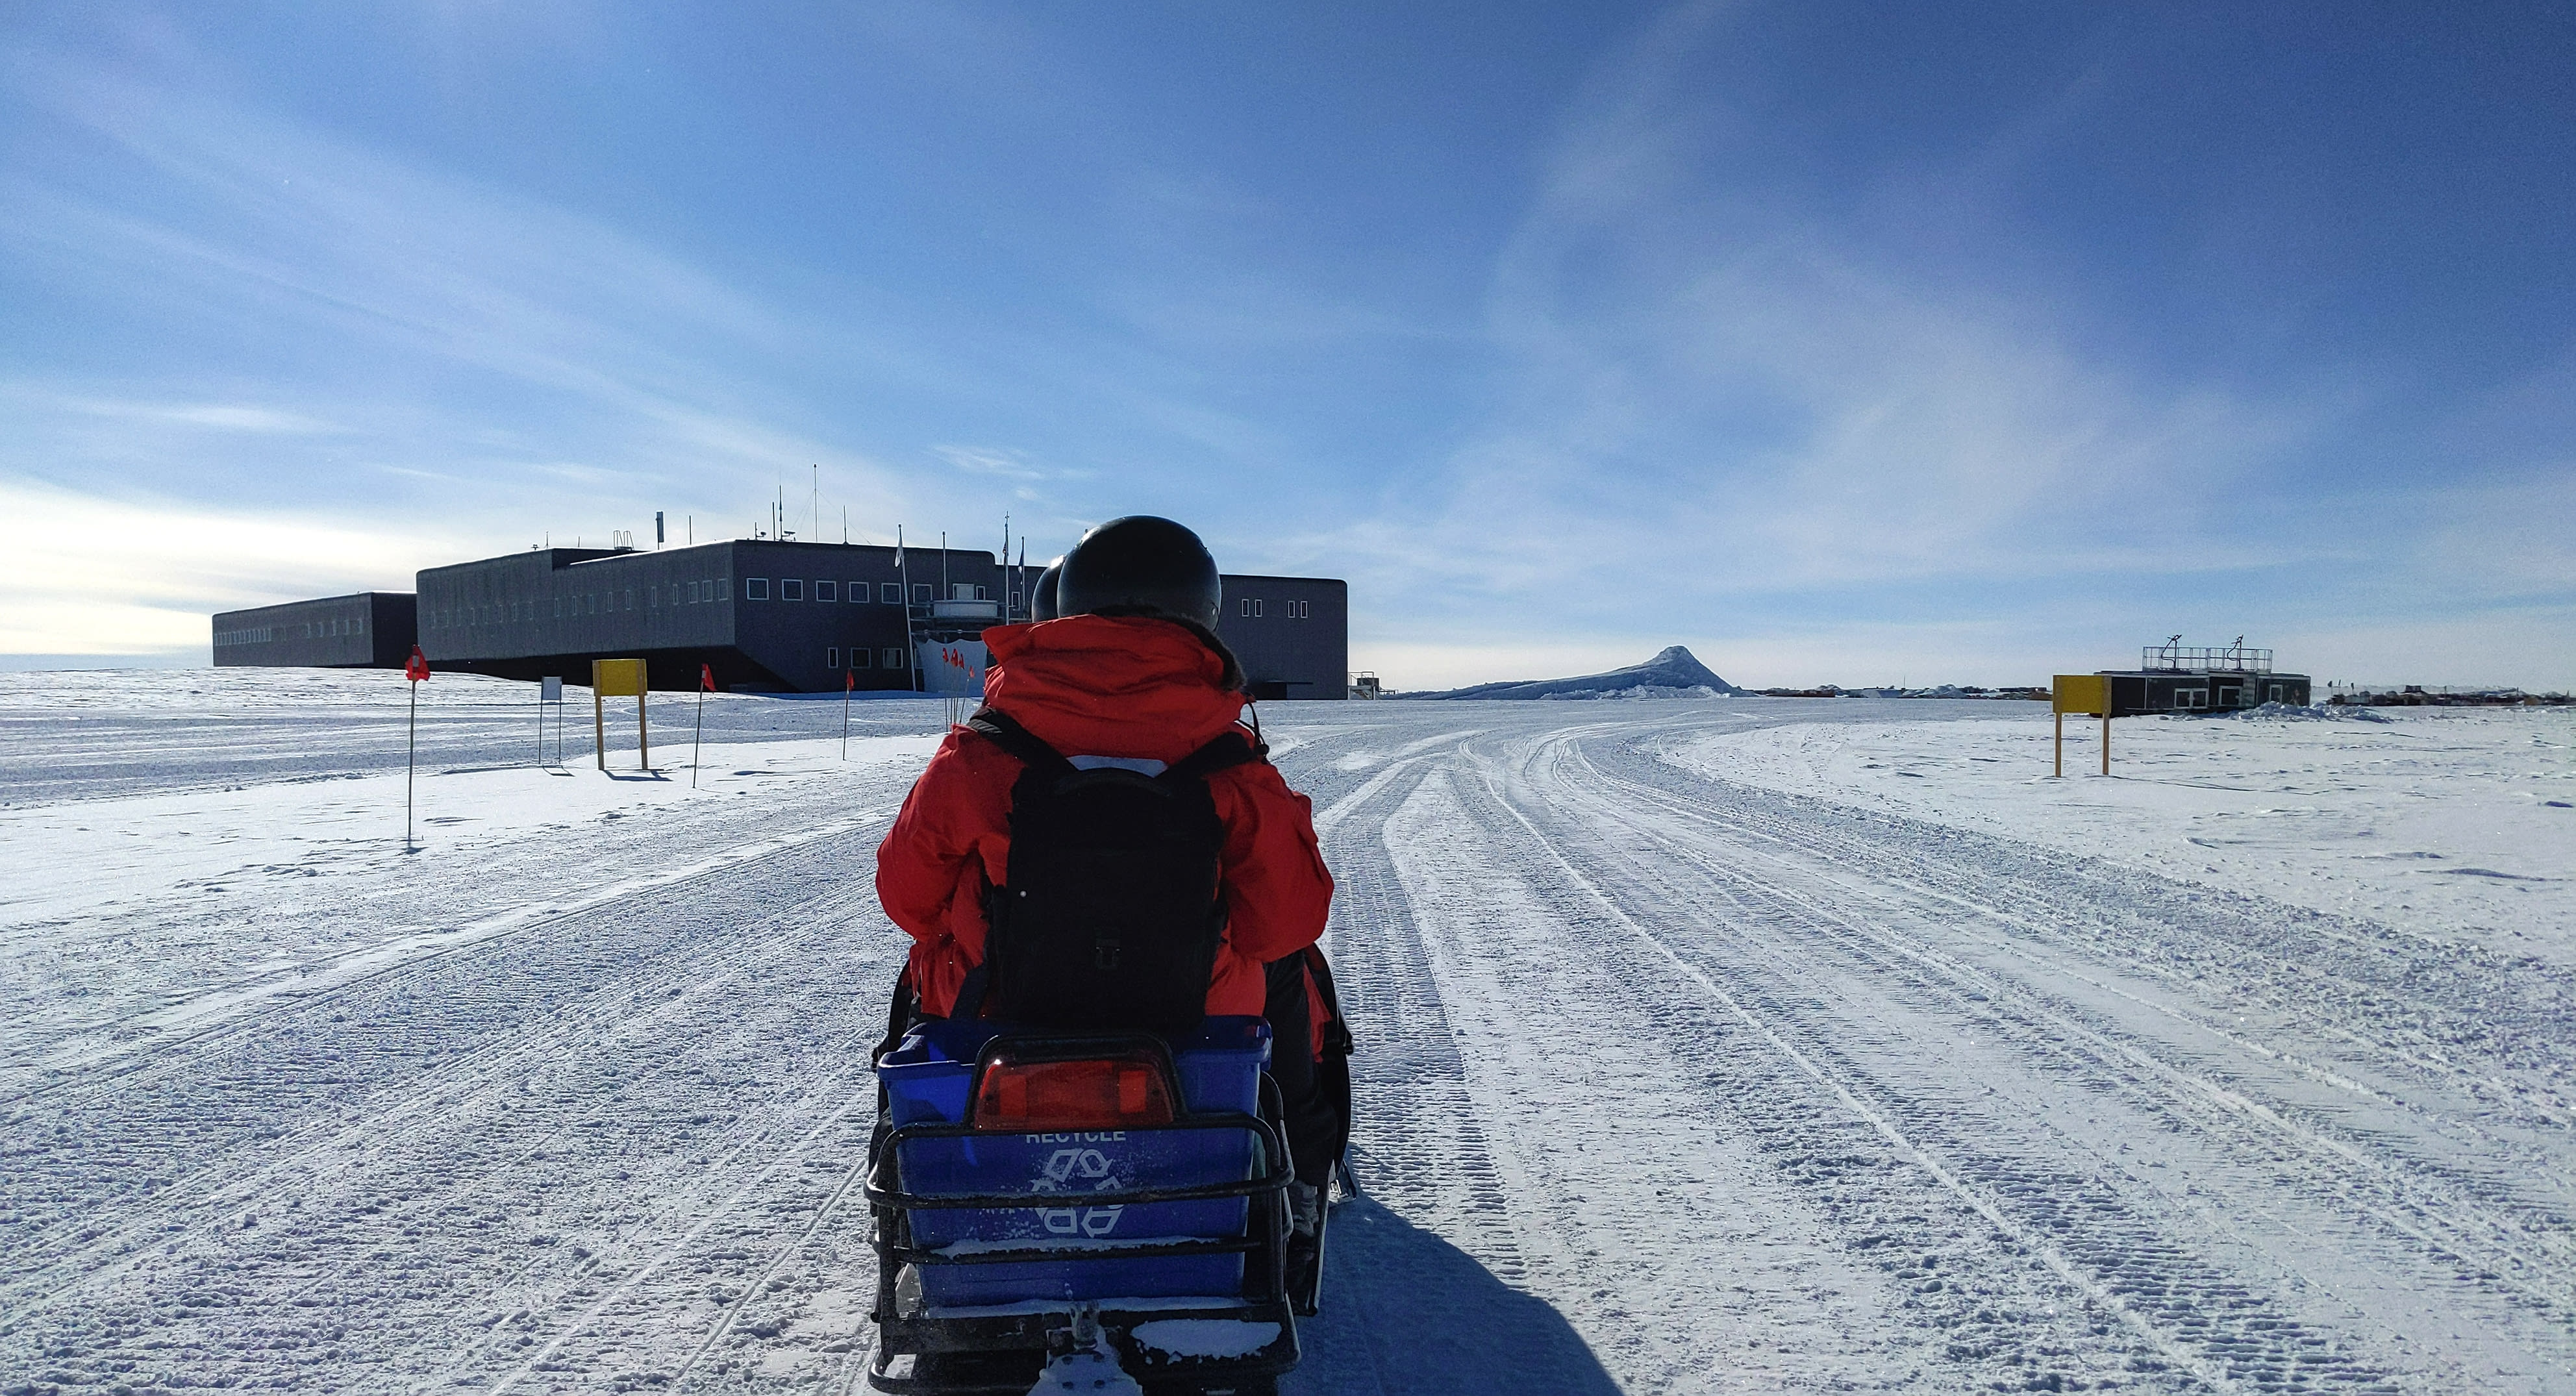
(1841, 343)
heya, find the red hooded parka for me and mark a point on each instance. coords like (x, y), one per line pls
(1086, 685)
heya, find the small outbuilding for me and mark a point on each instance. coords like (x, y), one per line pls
(2175, 678)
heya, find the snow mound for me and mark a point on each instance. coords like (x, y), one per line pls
(1206, 1337)
(2319, 712)
(1674, 672)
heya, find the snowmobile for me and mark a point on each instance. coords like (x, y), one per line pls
(1084, 1211)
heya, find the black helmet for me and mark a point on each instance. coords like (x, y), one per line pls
(1141, 566)
(1042, 592)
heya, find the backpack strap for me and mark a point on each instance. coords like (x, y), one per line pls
(1231, 748)
(1005, 731)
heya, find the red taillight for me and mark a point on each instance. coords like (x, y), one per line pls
(1127, 1092)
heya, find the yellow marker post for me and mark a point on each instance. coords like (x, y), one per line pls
(2081, 693)
(617, 678)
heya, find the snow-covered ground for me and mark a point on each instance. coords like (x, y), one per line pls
(2454, 821)
(1701, 1048)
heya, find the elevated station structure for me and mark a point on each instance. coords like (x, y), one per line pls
(370, 630)
(2175, 678)
(768, 616)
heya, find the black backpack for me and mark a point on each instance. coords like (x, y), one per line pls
(1111, 909)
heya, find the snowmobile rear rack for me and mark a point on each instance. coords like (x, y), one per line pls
(977, 1351)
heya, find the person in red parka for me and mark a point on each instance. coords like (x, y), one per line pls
(1131, 672)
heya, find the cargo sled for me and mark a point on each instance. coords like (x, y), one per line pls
(1082, 1211)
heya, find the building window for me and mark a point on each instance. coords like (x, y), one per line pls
(630, 598)
(826, 591)
(893, 658)
(590, 603)
(921, 593)
(859, 659)
(791, 589)
(983, 594)
(892, 593)
(1251, 607)
(831, 655)
(755, 588)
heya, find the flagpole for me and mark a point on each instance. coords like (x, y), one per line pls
(411, 760)
(849, 680)
(415, 669)
(698, 742)
(903, 575)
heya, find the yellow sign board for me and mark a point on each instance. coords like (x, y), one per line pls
(617, 678)
(2083, 693)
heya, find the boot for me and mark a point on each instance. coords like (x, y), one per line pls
(1305, 1245)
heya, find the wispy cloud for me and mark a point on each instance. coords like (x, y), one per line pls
(998, 463)
(393, 315)
(102, 574)
(214, 416)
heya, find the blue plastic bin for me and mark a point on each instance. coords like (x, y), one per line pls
(928, 1079)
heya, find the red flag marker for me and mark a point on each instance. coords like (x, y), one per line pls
(706, 678)
(415, 669)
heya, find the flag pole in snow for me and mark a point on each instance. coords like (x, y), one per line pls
(415, 669)
(697, 743)
(849, 681)
(903, 578)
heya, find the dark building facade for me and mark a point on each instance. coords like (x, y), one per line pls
(1293, 634)
(371, 630)
(2175, 678)
(806, 617)
(776, 616)
(2138, 691)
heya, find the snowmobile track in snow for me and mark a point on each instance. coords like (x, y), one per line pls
(2079, 1230)
(387, 1077)
(1667, 1083)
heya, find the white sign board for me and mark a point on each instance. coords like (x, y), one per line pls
(953, 666)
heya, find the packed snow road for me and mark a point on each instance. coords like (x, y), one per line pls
(1669, 1081)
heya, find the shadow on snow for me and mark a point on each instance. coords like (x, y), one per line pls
(1405, 1312)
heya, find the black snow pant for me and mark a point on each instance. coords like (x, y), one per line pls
(1314, 1091)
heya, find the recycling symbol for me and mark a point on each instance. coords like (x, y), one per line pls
(1062, 1169)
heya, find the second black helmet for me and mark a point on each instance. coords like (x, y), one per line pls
(1141, 566)
(1042, 602)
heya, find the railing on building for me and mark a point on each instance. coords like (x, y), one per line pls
(2175, 657)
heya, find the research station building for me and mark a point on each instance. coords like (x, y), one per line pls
(778, 616)
(371, 630)
(2173, 678)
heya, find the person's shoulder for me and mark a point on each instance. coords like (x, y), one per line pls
(1252, 772)
(974, 755)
